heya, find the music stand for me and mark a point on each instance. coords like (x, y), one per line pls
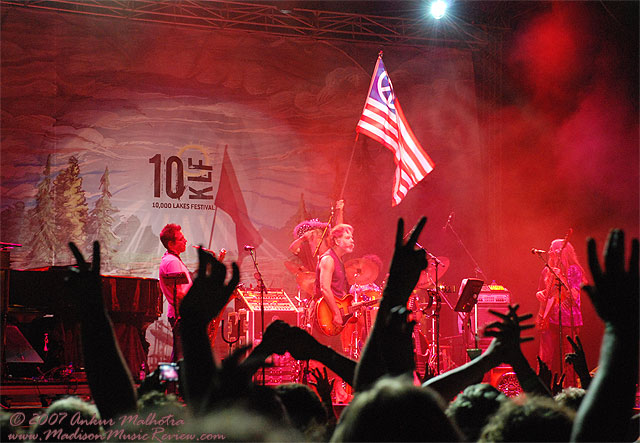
(176, 278)
(469, 290)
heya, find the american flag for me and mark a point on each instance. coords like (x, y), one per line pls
(383, 120)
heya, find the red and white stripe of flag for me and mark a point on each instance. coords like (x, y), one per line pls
(392, 130)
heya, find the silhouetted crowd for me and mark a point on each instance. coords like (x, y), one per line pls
(220, 401)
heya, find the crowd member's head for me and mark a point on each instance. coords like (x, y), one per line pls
(6, 428)
(239, 424)
(570, 397)
(305, 410)
(152, 404)
(86, 425)
(261, 400)
(396, 410)
(154, 400)
(172, 238)
(530, 418)
(472, 408)
(342, 237)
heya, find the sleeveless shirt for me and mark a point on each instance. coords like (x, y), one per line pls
(339, 284)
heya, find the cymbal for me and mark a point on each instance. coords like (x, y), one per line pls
(306, 281)
(361, 271)
(428, 276)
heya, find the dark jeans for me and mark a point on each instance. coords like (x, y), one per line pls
(176, 354)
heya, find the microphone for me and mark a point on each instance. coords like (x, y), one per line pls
(249, 248)
(537, 251)
(449, 220)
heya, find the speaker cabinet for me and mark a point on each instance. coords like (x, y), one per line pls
(485, 318)
(488, 300)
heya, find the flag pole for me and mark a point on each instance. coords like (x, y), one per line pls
(213, 224)
(346, 175)
(215, 211)
(353, 150)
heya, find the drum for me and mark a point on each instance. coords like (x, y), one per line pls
(366, 292)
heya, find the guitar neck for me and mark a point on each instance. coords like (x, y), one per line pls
(360, 305)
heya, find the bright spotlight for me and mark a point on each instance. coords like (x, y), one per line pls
(438, 8)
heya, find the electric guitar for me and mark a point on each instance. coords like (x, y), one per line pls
(542, 321)
(324, 315)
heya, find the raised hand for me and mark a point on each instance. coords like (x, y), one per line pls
(578, 360)
(107, 373)
(615, 291)
(209, 294)
(544, 373)
(406, 265)
(608, 406)
(506, 348)
(84, 283)
(508, 333)
(302, 345)
(274, 340)
(556, 387)
(323, 385)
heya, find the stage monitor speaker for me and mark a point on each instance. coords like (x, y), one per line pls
(18, 349)
(22, 360)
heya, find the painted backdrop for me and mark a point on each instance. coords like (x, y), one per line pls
(112, 129)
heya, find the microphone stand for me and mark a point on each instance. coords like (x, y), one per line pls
(560, 284)
(230, 342)
(436, 310)
(477, 270)
(262, 292)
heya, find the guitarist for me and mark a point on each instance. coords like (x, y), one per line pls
(563, 260)
(331, 283)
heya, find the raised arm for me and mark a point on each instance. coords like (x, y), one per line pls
(303, 346)
(606, 410)
(406, 265)
(504, 348)
(578, 360)
(109, 379)
(204, 301)
(338, 216)
(295, 245)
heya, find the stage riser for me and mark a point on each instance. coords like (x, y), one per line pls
(17, 396)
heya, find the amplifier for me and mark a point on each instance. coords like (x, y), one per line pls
(494, 293)
(274, 300)
(247, 316)
(492, 297)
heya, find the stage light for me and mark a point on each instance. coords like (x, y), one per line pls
(438, 8)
